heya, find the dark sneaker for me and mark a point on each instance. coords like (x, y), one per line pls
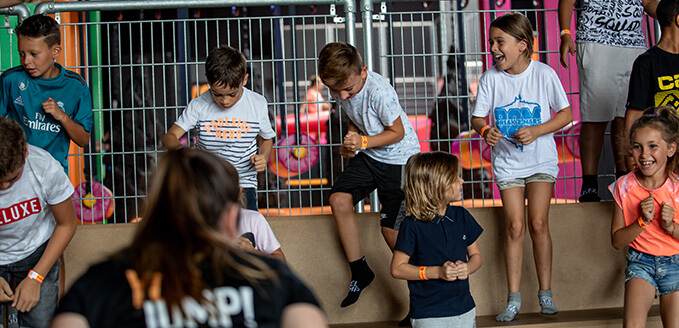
(589, 195)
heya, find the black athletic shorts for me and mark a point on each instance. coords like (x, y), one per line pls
(365, 174)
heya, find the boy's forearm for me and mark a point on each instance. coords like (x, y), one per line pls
(64, 214)
(385, 138)
(170, 141)
(75, 131)
(265, 146)
(171, 138)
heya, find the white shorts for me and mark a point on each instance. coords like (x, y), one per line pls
(604, 79)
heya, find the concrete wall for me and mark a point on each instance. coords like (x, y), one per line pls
(587, 272)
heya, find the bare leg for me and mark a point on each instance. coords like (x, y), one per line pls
(390, 236)
(342, 205)
(618, 143)
(591, 144)
(361, 276)
(639, 295)
(515, 233)
(669, 310)
(539, 194)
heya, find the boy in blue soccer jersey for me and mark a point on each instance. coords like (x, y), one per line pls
(52, 104)
(232, 121)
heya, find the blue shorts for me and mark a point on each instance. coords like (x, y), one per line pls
(660, 271)
(522, 182)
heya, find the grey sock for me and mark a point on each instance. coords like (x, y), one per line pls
(512, 309)
(546, 302)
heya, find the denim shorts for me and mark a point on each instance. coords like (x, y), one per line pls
(466, 320)
(522, 182)
(660, 271)
(250, 198)
(41, 314)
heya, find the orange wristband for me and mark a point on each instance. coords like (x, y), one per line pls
(364, 142)
(564, 32)
(35, 276)
(483, 130)
(423, 276)
(641, 222)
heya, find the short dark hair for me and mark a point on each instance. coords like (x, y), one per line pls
(40, 26)
(226, 66)
(12, 146)
(667, 12)
(337, 62)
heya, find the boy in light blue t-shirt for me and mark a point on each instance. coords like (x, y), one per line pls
(380, 131)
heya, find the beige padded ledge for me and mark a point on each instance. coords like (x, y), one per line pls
(588, 273)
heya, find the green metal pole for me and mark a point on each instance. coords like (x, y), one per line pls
(97, 89)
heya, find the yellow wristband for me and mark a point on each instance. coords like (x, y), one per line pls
(483, 130)
(35, 276)
(364, 142)
(423, 275)
(641, 222)
(564, 32)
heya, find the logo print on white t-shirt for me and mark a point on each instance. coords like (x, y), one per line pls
(515, 115)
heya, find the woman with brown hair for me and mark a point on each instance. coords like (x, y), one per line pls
(184, 268)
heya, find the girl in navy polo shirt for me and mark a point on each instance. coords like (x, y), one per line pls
(436, 249)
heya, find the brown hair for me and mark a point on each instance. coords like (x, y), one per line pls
(337, 62)
(40, 26)
(518, 26)
(428, 178)
(12, 146)
(663, 119)
(190, 192)
(225, 66)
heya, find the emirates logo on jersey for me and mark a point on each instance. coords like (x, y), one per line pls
(19, 211)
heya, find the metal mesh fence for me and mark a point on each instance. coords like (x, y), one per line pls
(143, 68)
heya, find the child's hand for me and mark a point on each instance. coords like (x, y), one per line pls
(50, 106)
(667, 215)
(648, 209)
(447, 271)
(493, 136)
(526, 135)
(461, 271)
(245, 244)
(6, 293)
(27, 295)
(259, 161)
(352, 141)
(346, 152)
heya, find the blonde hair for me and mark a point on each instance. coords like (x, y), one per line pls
(518, 26)
(428, 179)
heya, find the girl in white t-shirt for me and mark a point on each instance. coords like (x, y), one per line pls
(519, 95)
